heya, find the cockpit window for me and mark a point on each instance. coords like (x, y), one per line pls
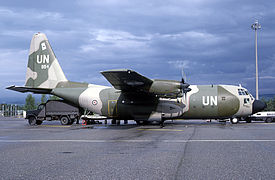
(242, 92)
(239, 91)
(246, 100)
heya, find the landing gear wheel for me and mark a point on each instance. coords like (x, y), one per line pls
(268, 120)
(248, 120)
(38, 122)
(117, 122)
(113, 121)
(161, 123)
(234, 120)
(64, 120)
(32, 121)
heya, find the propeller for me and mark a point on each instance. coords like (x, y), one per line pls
(184, 86)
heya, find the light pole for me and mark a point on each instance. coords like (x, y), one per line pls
(255, 27)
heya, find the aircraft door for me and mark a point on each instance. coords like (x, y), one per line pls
(245, 102)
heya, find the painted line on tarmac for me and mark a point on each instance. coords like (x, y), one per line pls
(144, 129)
(62, 126)
(130, 141)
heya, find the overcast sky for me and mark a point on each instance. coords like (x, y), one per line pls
(211, 39)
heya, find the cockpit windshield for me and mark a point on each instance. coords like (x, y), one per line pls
(242, 92)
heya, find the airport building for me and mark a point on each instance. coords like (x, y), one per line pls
(11, 110)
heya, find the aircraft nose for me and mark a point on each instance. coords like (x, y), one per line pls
(258, 106)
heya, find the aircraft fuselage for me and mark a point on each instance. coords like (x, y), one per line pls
(204, 101)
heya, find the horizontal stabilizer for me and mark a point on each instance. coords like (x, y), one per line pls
(29, 89)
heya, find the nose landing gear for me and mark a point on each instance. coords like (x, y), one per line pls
(234, 120)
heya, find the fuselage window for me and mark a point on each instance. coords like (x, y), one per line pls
(246, 100)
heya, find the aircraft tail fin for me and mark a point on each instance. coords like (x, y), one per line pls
(43, 69)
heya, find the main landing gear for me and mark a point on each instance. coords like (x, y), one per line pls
(161, 123)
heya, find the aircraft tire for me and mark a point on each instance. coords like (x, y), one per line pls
(113, 121)
(32, 121)
(146, 122)
(268, 120)
(234, 120)
(38, 122)
(248, 120)
(117, 122)
(65, 120)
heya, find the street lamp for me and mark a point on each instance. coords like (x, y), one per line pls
(255, 27)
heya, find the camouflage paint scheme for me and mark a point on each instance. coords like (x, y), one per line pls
(133, 95)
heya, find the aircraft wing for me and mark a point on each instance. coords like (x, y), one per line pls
(28, 89)
(127, 80)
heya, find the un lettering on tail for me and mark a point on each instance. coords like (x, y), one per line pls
(43, 70)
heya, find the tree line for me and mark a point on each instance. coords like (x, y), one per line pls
(270, 104)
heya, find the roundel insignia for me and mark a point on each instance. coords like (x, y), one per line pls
(94, 102)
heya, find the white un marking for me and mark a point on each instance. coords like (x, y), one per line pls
(45, 59)
(212, 100)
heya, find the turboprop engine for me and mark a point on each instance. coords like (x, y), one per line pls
(169, 88)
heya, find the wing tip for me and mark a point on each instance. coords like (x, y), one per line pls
(116, 70)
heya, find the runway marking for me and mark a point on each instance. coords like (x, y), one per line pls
(144, 129)
(63, 126)
(132, 140)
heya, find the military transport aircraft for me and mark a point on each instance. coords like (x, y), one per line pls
(133, 96)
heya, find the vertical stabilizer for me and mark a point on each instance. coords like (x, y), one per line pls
(43, 69)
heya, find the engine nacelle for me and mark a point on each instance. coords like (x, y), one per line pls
(166, 88)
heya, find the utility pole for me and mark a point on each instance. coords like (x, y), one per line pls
(255, 27)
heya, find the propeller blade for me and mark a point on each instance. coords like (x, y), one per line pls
(184, 86)
(187, 90)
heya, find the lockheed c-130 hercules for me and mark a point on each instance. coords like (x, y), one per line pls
(133, 96)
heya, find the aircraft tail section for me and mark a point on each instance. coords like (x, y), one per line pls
(43, 69)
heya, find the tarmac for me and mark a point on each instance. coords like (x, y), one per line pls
(183, 149)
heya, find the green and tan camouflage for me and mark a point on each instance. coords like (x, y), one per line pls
(134, 96)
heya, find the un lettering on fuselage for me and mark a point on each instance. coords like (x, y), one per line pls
(210, 100)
